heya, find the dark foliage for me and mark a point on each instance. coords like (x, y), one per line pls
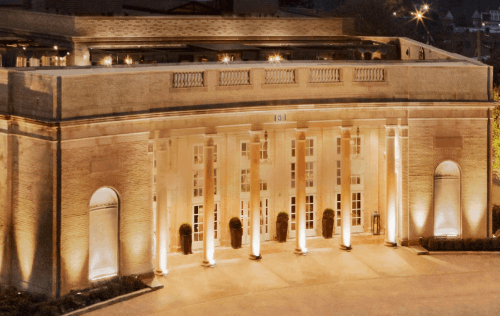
(235, 223)
(282, 217)
(328, 213)
(18, 303)
(468, 244)
(185, 229)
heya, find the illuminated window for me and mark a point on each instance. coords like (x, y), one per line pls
(245, 180)
(356, 209)
(263, 185)
(309, 212)
(198, 223)
(245, 150)
(309, 174)
(198, 183)
(263, 150)
(198, 154)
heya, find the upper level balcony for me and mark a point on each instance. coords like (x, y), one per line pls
(78, 92)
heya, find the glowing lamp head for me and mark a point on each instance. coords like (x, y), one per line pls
(108, 61)
(225, 59)
(274, 58)
(128, 60)
(55, 47)
(394, 13)
(426, 7)
(419, 15)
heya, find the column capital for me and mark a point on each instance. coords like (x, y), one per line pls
(390, 130)
(255, 136)
(403, 131)
(301, 133)
(208, 140)
(162, 144)
(345, 131)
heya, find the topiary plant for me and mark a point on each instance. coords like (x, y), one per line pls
(185, 229)
(328, 214)
(282, 217)
(235, 223)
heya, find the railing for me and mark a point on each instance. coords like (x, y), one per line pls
(234, 78)
(369, 75)
(280, 76)
(188, 79)
(325, 75)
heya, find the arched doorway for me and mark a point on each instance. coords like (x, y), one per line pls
(103, 234)
(447, 199)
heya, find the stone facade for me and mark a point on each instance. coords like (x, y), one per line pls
(143, 131)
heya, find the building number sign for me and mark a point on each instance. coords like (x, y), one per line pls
(280, 118)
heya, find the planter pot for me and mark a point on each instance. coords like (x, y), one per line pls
(186, 242)
(281, 230)
(236, 235)
(327, 227)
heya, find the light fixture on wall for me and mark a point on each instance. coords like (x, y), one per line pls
(128, 60)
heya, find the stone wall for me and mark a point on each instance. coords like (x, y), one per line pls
(118, 162)
(170, 27)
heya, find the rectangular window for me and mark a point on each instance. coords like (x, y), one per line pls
(309, 212)
(198, 154)
(198, 183)
(356, 145)
(309, 174)
(215, 181)
(215, 153)
(356, 209)
(263, 150)
(198, 223)
(292, 175)
(245, 150)
(263, 185)
(355, 179)
(245, 180)
(293, 147)
(338, 214)
(339, 146)
(309, 147)
(292, 213)
(339, 173)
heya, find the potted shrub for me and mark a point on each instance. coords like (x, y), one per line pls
(186, 238)
(328, 220)
(281, 226)
(236, 232)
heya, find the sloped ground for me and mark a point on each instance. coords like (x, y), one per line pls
(370, 279)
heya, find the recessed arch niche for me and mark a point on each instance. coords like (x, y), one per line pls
(447, 199)
(103, 234)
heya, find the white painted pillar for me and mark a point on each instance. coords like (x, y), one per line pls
(300, 198)
(403, 143)
(208, 202)
(345, 231)
(161, 208)
(255, 195)
(391, 185)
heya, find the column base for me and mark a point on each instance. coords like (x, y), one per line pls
(161, 272)
(342, 247)
(390, 244)
(208, 264)
(302, 252)
(254, 257)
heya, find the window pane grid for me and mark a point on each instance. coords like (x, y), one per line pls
(292, 213)
(292, 175)
(309, 212)
(245, 150)
(309, 174)
(245, 180)
(198, 154)
(198, 183)
(309, 147)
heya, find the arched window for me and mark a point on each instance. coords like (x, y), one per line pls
(103, 234)
(447, 199)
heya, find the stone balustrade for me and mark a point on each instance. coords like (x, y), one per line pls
(234, 78)
(81, 92)
(372, 74)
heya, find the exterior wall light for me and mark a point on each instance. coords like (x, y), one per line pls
(376, 223)
(108, 61)
(55, 47)
(128, 60)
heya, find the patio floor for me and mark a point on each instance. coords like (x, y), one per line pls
(371, 279)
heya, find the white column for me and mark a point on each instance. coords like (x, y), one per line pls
(255, 195)
(391, 185)
(403, 143)
(208, 202)
(300, 199)
(161, 208)
(345, 231)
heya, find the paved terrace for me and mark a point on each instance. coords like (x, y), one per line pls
(369, 280)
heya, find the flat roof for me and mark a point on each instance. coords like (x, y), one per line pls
(75, 71)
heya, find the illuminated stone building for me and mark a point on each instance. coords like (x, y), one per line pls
(101, 165)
